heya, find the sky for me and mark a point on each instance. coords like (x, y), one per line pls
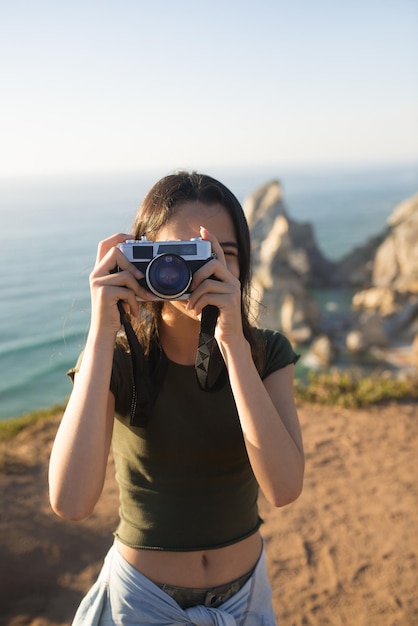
(128, 85)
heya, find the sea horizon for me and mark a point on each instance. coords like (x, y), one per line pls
(51, 227)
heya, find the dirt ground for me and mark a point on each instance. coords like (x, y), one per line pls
(345, 553)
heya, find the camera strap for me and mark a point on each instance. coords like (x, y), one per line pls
(210, 367)
(141, 404)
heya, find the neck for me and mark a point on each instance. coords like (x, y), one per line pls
(179, 335)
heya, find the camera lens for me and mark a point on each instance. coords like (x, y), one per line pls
(168, 276)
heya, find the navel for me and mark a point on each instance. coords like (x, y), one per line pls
(205, 561)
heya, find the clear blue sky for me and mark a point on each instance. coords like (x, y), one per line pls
(135, 84)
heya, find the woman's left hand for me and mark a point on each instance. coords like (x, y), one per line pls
(217, 283)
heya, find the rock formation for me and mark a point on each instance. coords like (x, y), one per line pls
(287, 263)
(288, 266)
(387, 308)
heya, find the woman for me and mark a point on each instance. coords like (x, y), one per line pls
(188, 548)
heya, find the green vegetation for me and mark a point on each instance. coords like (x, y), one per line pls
(351, 389)
(11, 427)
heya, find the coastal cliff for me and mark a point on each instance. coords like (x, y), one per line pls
(381, 277)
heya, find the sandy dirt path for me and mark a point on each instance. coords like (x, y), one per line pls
(346, 553)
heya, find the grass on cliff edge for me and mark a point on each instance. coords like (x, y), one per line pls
(345, 389)
(11, 427)
(353, 390)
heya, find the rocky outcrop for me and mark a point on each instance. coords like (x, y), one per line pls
(396, 261)
(287, 263)
(356, 268)
(387, 310)
(415, 351)
(288, 266)
(324, 350)
(290, 245)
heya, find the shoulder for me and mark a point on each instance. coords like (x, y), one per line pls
(277, 349)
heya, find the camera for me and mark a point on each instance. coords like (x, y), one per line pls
(168, 266)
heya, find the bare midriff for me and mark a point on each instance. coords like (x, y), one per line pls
(197, 569)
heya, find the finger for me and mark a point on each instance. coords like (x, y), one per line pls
(118, 279)
(214, 292)
(127, 297)
(111, 242)
(124, 279)
(211, 269)
(216, 246)
(115, 258)
(221, 301)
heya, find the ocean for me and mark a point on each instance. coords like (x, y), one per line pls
(49, 231)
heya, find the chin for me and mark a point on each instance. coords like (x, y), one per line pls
(180, 306)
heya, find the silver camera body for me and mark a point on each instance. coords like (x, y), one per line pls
(168, 266)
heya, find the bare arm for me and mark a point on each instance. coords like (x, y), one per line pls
(266, 409)
(79, 455)
(270, 425)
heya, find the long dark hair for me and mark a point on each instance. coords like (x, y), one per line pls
(156, 209)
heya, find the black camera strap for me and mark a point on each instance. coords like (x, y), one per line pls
(210, 367)
(141, 404)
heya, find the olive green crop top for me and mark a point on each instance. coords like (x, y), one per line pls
(185, 480)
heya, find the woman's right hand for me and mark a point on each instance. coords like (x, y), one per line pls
(81, 448)
(82, 444)
(108, 286)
